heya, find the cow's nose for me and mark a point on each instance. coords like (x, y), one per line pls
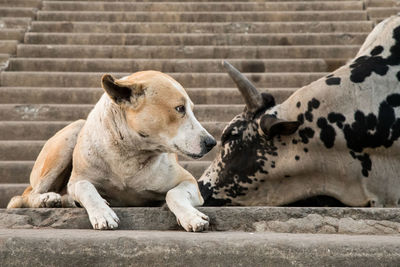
(209, 143)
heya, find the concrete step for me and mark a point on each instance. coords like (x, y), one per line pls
(201, 16)
(380, 13)
(8, 190)
(15, 172)
(139, 1)
(204, 27)
(17, 12)
(250, 52)
(201, 7)
(92, 79)
(20, 3)
(8, 46)
(172, 65)
(196, 39)
(16, 23)
(172, 248)
(28, 150)
(64, 112)
(12, 34)
(4, 59)
(43, 130)
(329, 222)
(61, 95)
(381, 3)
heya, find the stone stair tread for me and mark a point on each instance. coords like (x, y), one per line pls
(90, 79)
(17, 12)
(43, 130)
(12, 34)
(68, 247)
(151, 1)
(17, 172)
(138, 51)
(201, 16)
(20, 3)
(382, 12)
(27, 150)
(195, 39)
(90, 95)
(171, 65)
(8, 46)
(200, 7)
(311, 220)
(21, 23)
(200, 27)
(381, 3)
(65, 112)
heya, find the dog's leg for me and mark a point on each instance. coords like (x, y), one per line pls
(101, 216)
(181, 200)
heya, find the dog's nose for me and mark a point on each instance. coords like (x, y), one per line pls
(209, 143)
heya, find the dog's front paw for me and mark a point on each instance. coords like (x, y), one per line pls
(103, 219)
(195, 222)
(50, 200)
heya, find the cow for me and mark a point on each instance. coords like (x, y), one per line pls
(336, 137)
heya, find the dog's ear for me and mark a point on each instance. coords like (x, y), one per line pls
(116, 92)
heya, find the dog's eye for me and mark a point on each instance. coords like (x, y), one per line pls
(180, 109)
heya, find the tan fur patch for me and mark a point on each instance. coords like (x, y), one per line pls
(157, 114)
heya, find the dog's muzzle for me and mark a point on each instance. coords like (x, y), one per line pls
(208, 144)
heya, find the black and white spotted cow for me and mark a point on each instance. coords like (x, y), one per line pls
(337, 137)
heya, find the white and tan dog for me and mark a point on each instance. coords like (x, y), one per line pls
(124, 154)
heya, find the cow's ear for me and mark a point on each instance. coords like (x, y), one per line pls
(116, 92)
(273, 126)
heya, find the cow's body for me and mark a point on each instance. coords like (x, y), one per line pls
(346, 145)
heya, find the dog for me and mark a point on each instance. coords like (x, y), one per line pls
(125, 154)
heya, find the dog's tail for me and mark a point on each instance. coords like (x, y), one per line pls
(19, 201)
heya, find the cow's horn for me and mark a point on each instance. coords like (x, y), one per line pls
(252, 97)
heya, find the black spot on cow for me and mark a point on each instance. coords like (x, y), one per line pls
(287, 176)
(333, 81)
(314, 103)
(393, 100)
(298, 105)
(372, 131)
(398, 76)
(306, 134)
(294, 141)
(364, 66)
(300, 118)
(207, 192)
(327, 134)
(377, 50)
(306, 150)
(308, 115)
(337, 118)
(296, 157)
(253, 66)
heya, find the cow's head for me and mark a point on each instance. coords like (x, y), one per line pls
(248, 149)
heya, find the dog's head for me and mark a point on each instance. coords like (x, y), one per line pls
(158, 110)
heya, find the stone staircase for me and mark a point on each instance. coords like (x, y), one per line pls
(55, 76)
(52, 77)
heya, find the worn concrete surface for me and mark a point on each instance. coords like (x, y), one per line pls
(372, 221)
(171, 248)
